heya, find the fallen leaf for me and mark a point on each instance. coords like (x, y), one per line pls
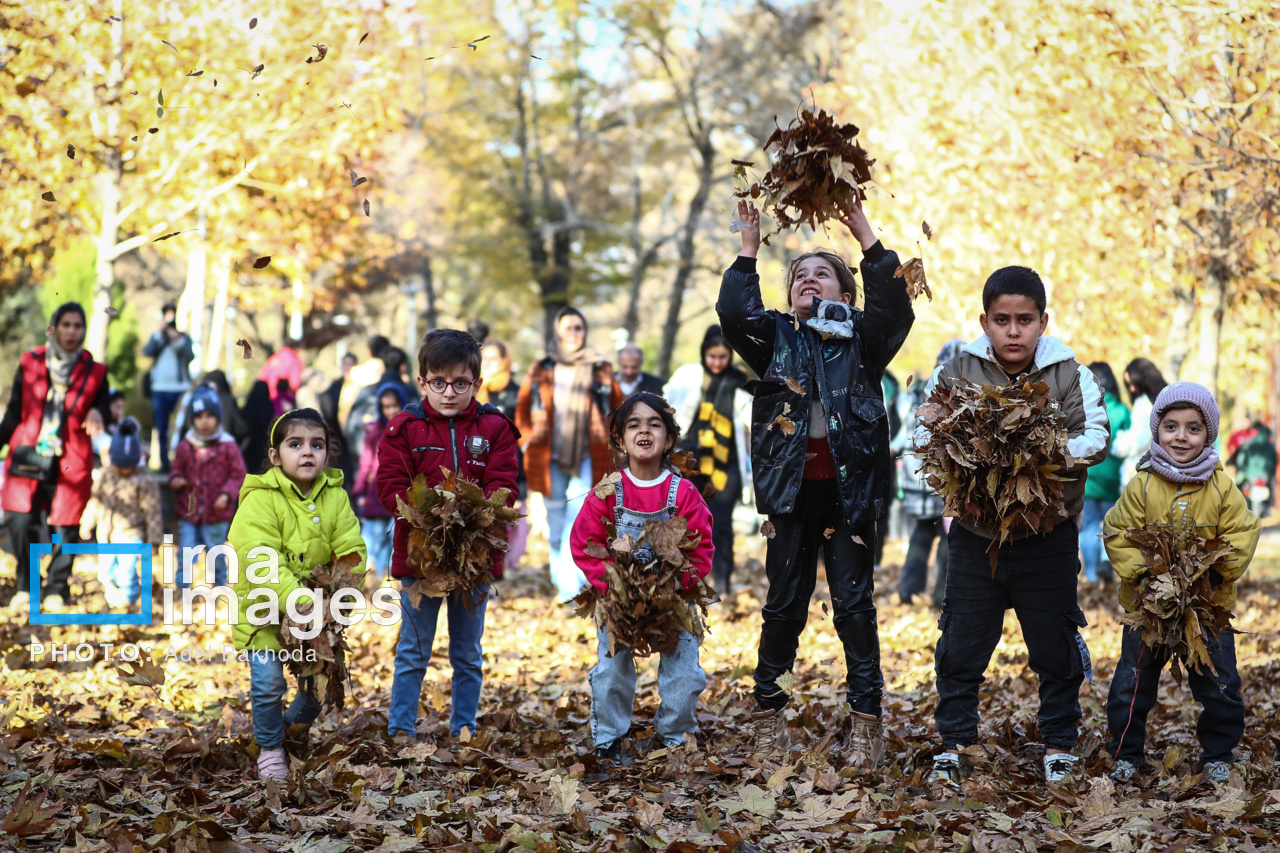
(29, 816)
(796, 387)
(826, 534)
(262, 262)
(858, 539)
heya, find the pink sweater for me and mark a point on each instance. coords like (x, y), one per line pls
(596, 513)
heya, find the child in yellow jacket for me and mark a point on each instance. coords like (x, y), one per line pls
(1180, 485)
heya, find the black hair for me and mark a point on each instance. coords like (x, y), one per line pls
(499, 345)
(714, 337)
(618, 422)
(844, 272)
(285, 424)
(479, 330)
(376, 344)
(394, 359)
(116, 394)
(445, 348)
(68, 308)
(1014, 281)
(569, 311)
(1146, 377)
(1106, 378)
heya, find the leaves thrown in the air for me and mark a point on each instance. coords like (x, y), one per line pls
(174, 49)
(826, 534)
(111, 312)
(246, 348)
(356, 181)
(253, 22)
(1173, 604)
(262, 262)
(992, 455)
(767, 529)
(913, 272)
(366, 207)
(47, 195)
(928, 232)
(646, 606)
(71, 151)
(817, 175)
(166, 236)
(322, 51)
(153, 130)
(362, 38)
(257, 69)
(796, 387)
(194, 73)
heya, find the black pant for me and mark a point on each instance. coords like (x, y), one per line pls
(1035, 576)
(1136, 683)
(915, 570)
(721, 507)
(28, 527)
(791, 565)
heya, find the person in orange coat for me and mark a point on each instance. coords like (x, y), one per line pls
(562, 409)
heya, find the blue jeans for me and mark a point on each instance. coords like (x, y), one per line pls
(1096, 564)
(210, 536)
(267, 687)
(162, 405)
(613, 691)
(120, 571)
(376, 533)
(413, 653)
(568, 494)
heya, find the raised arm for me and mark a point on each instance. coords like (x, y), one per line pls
(887, 311)
(747, 326)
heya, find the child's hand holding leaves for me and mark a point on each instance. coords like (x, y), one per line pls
(859, 227)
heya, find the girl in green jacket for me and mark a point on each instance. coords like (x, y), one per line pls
(299, 510)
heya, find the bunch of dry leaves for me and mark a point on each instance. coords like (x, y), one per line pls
(646, 606)
(1174, 605)
(320, 663)
(454, 533)
(817, 175)
(993, 454)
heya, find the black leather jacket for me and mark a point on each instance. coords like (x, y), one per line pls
(846, 377)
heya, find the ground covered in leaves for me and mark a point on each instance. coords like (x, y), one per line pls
(90, 763)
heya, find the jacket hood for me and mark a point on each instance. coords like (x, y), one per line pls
(395, 388)
(275, 479)
(1049, 350)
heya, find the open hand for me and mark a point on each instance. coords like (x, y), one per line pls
(177, 483)
(749, 216)
(222, 502)
(93, 423)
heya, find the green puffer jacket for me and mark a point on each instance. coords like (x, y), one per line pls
(1104, 478)
(305, 530)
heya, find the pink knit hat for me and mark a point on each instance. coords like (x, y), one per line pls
(1182, 395)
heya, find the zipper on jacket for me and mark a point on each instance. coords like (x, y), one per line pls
(453, 444)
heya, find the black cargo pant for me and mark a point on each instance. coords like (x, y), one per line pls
(26, 528)
(1035, 576)
(1137, 681)
(791, 565)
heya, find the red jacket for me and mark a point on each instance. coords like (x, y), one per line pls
(75, 466)
(480, 443)
(210, 470)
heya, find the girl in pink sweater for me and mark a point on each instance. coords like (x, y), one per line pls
(644, 430)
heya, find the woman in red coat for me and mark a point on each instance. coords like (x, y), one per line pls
(58, 402)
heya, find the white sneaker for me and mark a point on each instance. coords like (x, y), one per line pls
(20, 601)
(1059, 766)
(948, 768)
(273, 764)
(1217, 772)
(1125, 770)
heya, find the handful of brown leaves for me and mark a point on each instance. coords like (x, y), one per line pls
(1174, 601)
(454, 532)
(646, 607)
(817, 174)
(323, 658)
(993, 455)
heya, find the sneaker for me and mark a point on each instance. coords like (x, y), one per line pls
(612, 753)
(1125, 770)
(20, 601)
(1059, 766)
(947, 767)
(769, 732)
(866, 742)
(52, 603)
(1217, 772)
(273, 764)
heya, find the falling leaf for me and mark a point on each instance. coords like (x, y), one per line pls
(143, 672)
(472, 44)
(911, 378)
(114, 18)
(604, 489)
(195, 74)
(262, 262)
(257, 69)
(159, 112)
(858, 539)
(532, 56)
(795, 387)
(355, 181)
(362, 38)
(784, 423)
(71, 151)
(744, 163)
(913, 272)
(253, 22)
(175, 50)
(826, 534)
(153, 130)
(248, 350)
(111, 312)
(167, 236)
(366, 207)
(928, 232)
(322, 50)
(160, 98)
(767, 529)
(47, 196)
(428, 57)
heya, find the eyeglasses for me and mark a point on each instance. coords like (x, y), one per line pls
(460, 386)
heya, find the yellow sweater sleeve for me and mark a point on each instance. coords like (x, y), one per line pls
(1239, 526)
(1129, 511)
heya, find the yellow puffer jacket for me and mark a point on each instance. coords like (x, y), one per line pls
(306, 531)
(1212, 509)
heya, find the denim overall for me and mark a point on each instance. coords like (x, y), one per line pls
(613, 679)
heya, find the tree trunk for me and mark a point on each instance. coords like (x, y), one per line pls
(553, 280)
(216, 347)
(1213, 302)
(684, 265)
(1178, 345)
(109, 182)
(432, 315)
